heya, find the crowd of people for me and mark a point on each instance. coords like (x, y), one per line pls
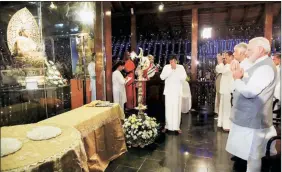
(247, 84)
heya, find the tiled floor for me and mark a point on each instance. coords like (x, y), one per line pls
(200, 148)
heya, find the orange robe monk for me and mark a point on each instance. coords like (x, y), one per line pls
(130, 85)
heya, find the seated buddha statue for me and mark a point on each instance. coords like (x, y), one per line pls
(26, 50)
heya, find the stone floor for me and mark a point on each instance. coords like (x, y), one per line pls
(200, 148)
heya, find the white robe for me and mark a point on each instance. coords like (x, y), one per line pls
(186, 98)
(248, 143)
(92, 73)
(173, 95)
(119, 92)
(226, 88)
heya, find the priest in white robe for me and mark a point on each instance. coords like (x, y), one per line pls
(118, 81)
(251, 114)
(92, 74)
(174, 75)
(226, 88)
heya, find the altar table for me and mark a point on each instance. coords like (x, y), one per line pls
(101, 131)
(63, 153)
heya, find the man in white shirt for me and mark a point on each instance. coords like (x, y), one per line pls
(217, 88)
(225, 90)
(251, 113)
(174, 75)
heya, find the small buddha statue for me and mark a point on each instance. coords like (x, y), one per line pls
(26, 50)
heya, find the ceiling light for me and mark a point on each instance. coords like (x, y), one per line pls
(161, 7)
(132, 11)
(86, 16)
(108, 13)
(206, 33)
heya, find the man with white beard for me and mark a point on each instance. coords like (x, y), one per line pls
(174, 75)
(251, 113)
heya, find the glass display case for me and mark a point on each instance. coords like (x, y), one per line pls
(45, 49)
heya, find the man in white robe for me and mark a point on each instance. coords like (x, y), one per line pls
(174, 75)
(251, 114)
(92, 74)
(118, 81)
(226, 87)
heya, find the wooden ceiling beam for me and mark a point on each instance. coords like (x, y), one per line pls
(199, 6)
(229, 16)
(277, 18)
(245, 14)
(260, 16)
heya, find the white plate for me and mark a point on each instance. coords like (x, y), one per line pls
(9, 146)
(43, 133)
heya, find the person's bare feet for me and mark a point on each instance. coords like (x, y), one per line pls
(164, 130)
(179, 131)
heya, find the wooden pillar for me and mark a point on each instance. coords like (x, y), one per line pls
(133, 39)
(108, 49)
(194, 54)
(98, 47)
(268, 21)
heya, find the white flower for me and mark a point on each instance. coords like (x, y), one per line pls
(134, 137)
(144, 136)
(57, 73)
(52, 63)
(51, 72)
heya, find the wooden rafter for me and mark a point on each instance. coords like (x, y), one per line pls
(260, 16)
(120, 5)
(278, 17)
(245, 14)
(198, 6)
(229, 16)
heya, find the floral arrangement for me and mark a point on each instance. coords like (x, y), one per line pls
(53, 76)
(140, 132)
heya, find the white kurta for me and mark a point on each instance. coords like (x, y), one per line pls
(119, 92)
(246, 142)
(245, 64)
(226, 88)
(173, 95)
(186, 98)
(92, 74)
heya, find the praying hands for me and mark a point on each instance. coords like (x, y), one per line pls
(237, 71)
